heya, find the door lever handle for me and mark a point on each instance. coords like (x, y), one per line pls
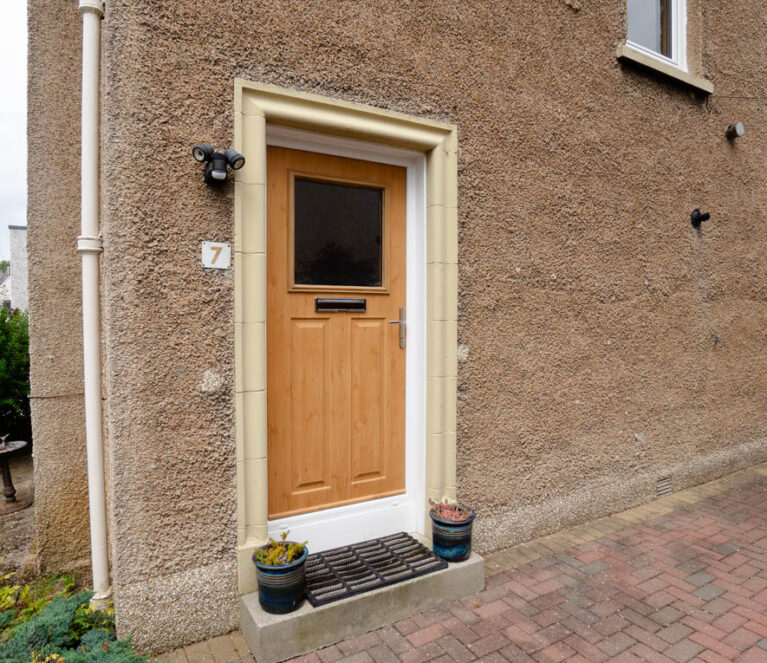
(402, 322)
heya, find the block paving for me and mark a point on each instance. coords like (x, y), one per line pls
(682, 579)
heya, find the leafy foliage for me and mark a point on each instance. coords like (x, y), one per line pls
(22, 602)
(279, 553)
(67, 630)
(14, 373)
(46, 623)
(454, 513)
(45, 633)
(8, 592)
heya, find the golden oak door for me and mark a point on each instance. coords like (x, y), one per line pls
(335, 364)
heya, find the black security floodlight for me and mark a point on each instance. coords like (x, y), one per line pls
(216, 163)
(234, 159)
(202, 152)
(215, 169)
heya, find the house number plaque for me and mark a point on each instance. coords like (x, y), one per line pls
(216, 255)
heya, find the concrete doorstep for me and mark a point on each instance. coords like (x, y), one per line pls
(273, 638)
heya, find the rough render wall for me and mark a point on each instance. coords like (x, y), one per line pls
(53, 214)
(606, 343)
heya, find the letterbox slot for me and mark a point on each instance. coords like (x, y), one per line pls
(340, 304)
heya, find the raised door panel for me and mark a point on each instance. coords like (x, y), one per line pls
(310, 401)
(368, 399)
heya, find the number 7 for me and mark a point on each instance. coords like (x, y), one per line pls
(217, 250)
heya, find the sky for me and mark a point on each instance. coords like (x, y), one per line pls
(13, 119)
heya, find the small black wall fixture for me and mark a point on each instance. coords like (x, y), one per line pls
(696, 218)
(216, 162)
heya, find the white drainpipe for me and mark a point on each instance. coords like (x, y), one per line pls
(89, 247)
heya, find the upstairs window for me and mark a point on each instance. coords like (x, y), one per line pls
(657, 27)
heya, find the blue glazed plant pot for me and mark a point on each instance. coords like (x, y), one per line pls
(281, 588)
(452, 540)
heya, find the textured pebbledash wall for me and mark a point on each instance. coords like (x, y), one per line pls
(55, 315)
(604, 342)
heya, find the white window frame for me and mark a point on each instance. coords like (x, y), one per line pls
(678, 36)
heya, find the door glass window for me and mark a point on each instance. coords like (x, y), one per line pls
(337, 230)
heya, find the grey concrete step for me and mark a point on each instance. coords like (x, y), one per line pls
(274, 638)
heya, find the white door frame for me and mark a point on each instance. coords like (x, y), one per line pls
(339, 526)
(362, 132)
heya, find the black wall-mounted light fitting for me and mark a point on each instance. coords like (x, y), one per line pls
(697, 217)
(216, 163)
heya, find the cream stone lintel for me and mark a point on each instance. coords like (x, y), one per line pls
(626, 53)
(255, 106)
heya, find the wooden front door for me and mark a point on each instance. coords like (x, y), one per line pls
(335, 366)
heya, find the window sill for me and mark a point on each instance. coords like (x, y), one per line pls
(626, 53)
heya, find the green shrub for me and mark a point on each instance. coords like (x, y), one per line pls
(14, 374)
(46, 623)
(23, 601)
(67, 628)
(45, 633)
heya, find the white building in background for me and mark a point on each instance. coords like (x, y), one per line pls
(5, 287)
(19, 292)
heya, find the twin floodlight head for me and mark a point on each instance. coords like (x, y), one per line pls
(216, 163)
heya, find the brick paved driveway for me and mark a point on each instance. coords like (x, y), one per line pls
(681, 579)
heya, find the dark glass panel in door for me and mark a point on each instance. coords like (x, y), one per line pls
(337, 234)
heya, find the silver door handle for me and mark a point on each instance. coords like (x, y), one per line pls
(402, 322)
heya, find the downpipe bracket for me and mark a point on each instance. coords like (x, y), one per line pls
(86, 244)
(95, 6)
(101, 600)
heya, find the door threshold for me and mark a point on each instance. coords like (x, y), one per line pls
(274, 638)
(352, 523)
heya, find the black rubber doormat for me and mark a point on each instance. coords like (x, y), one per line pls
(335, 574)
